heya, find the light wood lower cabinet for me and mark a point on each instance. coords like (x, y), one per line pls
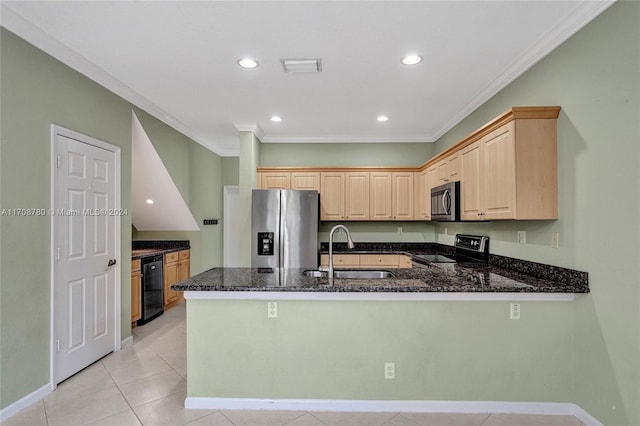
(176, 268)
(367, 261)
(136, 289)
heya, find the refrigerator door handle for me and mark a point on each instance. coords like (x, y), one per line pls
(281, 236)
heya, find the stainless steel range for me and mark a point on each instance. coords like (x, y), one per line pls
(468, 248)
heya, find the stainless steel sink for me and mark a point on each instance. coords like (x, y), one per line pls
(315, 273)
(351, 274)
(365, 275)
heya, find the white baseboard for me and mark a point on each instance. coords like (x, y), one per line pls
(24, 402)
(126, 342)
(406, 406)
(585, 417)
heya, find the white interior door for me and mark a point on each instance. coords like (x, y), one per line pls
(231, 253)
(85, 296)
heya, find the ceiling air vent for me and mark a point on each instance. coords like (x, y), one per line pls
(301, 65)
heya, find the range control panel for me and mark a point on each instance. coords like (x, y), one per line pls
(475, 243)
(472, 248)
(265, 243)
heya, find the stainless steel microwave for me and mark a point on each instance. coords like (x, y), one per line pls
(445, 202)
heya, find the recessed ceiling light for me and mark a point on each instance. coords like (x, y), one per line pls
(247, 63)
(411, 59)
(382, 118)
(149, 201)
(276, 119)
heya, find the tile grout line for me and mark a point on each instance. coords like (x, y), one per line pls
(122, 394)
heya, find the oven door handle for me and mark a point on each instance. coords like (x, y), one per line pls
(446, 201)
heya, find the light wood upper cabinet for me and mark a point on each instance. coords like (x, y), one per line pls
(470, 198)
(402, 196)
(511, 173)
(332, 196)
(275, 180)
(356, 195)
(305, 180)
(507, 169)
(380, 185)
(448, 169)
(426, 179)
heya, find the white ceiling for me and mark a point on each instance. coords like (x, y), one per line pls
(177, 60)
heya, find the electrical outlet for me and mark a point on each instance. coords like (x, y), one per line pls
(555, 239)
(399, 230)
(515, 311)
(272, 309)
(522, 237)
(389, 370)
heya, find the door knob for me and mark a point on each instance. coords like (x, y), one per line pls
(111, 262)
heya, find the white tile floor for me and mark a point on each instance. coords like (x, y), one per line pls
(145, 384)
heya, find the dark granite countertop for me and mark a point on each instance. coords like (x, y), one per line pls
(148, 248)
(459, 277)
(502, 274)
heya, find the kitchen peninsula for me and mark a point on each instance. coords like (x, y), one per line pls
(278, 339)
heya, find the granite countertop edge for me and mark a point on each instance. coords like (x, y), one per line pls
(148, 248)
(501, 275)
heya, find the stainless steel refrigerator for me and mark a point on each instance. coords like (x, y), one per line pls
(284, 229)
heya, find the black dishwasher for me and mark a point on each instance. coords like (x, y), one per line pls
(152, 289)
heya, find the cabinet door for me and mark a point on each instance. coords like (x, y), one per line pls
(404, 261)
(356, 200)
(420, 190)
(378, 260)
(431, 182)
(341, 260)
(275, 180)
(184, 267)
(136, 289)
(380, 196)
(332, 196)
(499, 174)
(453, 167)
(402, 196)
(170, 278)
(470, 185)
(305, 180)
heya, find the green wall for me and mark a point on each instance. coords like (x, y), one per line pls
(595, 78)
(198, 175)
(357, 154)
(455, 351)
(345, 154)
(37, 91)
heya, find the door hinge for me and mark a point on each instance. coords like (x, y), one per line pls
(58, 162)
(58, 253)
(57, 345)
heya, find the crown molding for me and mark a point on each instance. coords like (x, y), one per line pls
(584, 13)
(15, 23)
(349, 139)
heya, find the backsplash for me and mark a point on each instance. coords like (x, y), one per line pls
(533, 269)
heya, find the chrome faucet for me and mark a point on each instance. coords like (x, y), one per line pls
(349, 243)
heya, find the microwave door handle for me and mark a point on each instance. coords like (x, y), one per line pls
(446, 199)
